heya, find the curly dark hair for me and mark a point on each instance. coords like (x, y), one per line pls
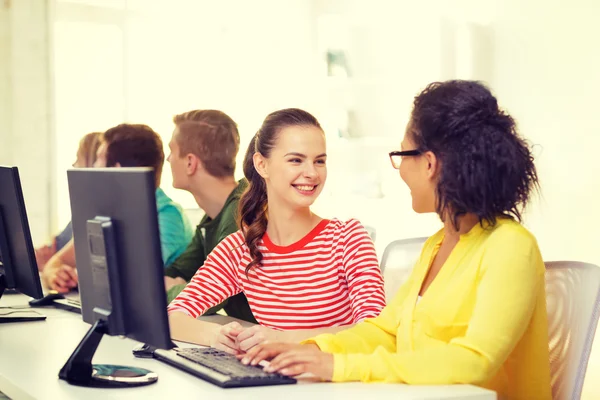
(486, 167)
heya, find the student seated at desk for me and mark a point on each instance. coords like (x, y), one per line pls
(128, 145)
(474, 309)
(86, 156)
(302, 274)
(204, 147)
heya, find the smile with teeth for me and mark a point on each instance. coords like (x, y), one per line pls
(305, 188)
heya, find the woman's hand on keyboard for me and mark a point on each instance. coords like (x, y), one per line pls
(257, 334)
(292, 359)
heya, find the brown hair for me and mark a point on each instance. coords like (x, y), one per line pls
(253, 204)
(134, 145)
(88, 146)
(210, 135)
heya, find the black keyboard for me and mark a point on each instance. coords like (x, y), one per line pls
(68, 304)
(220, 368)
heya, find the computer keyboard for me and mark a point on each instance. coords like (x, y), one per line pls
(220, 368)
(69, 304)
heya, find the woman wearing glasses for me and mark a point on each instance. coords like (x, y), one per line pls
(473, 310)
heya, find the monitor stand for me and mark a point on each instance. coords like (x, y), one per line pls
(6, 280)
(3, 284)
(80, 371)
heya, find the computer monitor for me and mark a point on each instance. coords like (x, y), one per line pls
(120, 269)
(18, 268)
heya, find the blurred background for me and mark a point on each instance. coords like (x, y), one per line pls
(69, 67)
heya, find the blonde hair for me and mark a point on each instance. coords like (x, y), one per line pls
(88, 146)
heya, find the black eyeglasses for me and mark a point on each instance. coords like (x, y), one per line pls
(396, 156)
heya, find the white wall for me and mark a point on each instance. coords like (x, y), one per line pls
(148, 61)
(541, 60)
(5, 85)
(547, 73)
(25, 107)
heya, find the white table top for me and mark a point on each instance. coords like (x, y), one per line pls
(32, 353)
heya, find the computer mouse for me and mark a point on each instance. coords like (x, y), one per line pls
(144, 351)
(47, 300)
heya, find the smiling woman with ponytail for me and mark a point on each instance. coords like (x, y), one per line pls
(302, 274)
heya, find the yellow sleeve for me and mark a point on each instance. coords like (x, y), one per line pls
(506, 298)
(366, 336)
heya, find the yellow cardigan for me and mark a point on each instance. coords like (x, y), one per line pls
(482, 321)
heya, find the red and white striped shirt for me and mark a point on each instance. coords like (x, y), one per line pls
(330, 277)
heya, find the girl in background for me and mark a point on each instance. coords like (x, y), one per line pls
(86, 156)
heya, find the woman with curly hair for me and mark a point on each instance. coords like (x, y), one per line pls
(474, 308)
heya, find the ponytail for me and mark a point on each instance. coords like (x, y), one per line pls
(253, 207)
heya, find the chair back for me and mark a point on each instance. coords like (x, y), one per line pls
(399, 258)
(372, 232)
(402, 253)
(573, 304)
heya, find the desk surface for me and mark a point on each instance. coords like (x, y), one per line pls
(32, 353)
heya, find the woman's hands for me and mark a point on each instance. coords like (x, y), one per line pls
(257, 343)
(235, 339)
(60, 277)
(291, 359)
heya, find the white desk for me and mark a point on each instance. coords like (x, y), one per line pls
(32, 353)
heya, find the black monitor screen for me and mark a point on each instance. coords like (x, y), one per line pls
(123, 202)
(19, 268)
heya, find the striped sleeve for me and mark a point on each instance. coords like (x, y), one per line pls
(214, 282)
(365, 283)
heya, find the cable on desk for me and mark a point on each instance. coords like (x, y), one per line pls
(18, 312)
